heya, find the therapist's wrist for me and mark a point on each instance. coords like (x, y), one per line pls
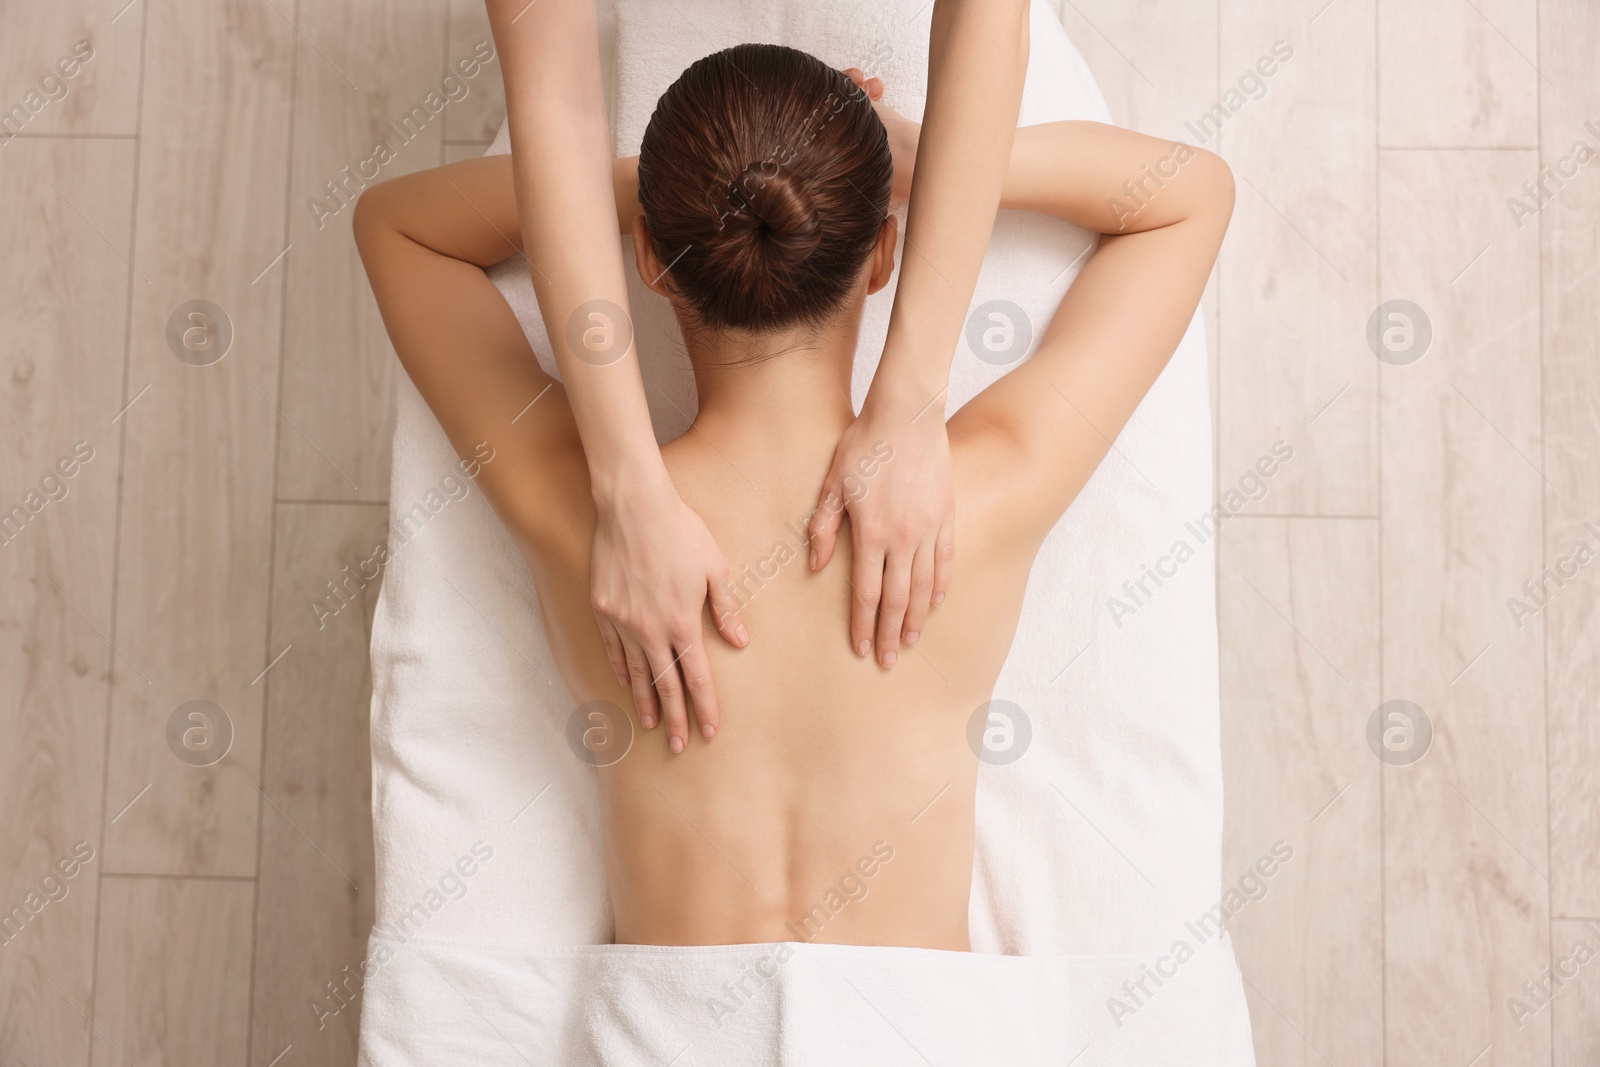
(900, 393)
(620, 487)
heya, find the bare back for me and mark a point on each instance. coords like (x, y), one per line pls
(835, 803)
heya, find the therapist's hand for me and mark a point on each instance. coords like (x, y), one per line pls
(891, 473)
(904, 135)
(653, 568)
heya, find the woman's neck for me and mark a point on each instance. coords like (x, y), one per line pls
(793, 394)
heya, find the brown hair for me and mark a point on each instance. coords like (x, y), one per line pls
(764, 177)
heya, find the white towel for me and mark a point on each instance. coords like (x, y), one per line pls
(1102, 840)
(792, 1004)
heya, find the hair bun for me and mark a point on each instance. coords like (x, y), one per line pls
(764, 180)
(785, 220)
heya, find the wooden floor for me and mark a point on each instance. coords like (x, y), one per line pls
(1420, 546)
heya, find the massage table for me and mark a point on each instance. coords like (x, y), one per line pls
(1097, 889)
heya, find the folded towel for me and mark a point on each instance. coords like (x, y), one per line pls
(790, 1003)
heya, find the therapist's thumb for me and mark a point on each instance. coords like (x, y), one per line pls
(824, 525)
(725, 607)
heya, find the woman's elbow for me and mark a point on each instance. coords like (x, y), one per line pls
(1218, 179)
(373, 213)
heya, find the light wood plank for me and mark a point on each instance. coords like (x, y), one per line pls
(1575, 1007)
(1466, 864)
(1455, 73)
(174, 972)
(1155, 64)
(62, 360)
(1570, 260)
(39, 49)
(378, 85)
(197, 487)
(1298, 611)
(1299, 264)
(478, 117)
(312, 922)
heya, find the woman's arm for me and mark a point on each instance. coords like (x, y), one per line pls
(902, 532)
(424, 239)
(654, 562)
(1163, 209)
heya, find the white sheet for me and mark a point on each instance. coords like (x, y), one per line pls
(1101, 843)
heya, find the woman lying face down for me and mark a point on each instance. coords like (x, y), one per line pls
(829, 798)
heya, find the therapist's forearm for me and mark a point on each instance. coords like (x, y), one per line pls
(977, 60)
(562, 164)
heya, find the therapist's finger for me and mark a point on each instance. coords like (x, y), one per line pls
(922, 568)
(822, 529)
(725, 608)
(944, 561)
(866, 583)
(896, 596)
(702, 692)
(614, 652)
(644, 693)
(669, 694)
(872, 86)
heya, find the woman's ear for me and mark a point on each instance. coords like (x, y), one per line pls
(650, 270)
(883, 255)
